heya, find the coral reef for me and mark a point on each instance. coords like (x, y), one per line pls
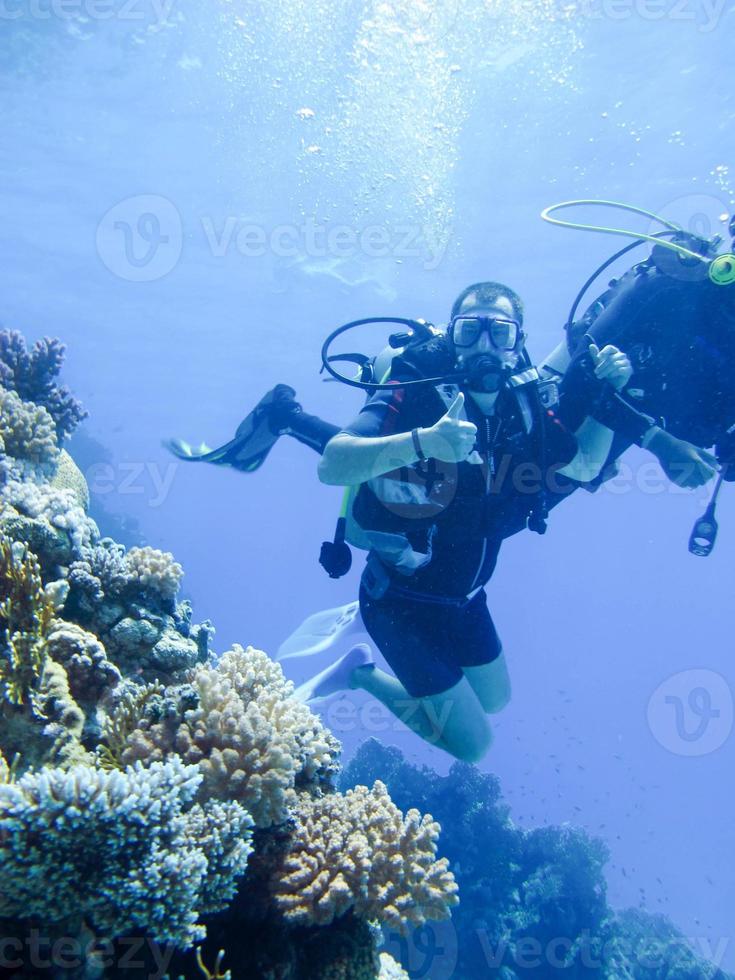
(39, 718)
(33, 375)
(154, 571)
(44, 516)
(124, 850)
(27, 432)
(127, 599)
(26, 612)
(359, 852)
(252, 741)
(533, 903)
(68, 476)
(151, 788)
(83, 656)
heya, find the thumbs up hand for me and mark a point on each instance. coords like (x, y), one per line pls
(452, 438)
(611, 365)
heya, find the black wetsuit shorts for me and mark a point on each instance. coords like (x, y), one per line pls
(426, 643)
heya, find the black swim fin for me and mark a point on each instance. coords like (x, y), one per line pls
(255, 437)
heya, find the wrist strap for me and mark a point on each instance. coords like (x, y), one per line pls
(648, 436)
(417, 444)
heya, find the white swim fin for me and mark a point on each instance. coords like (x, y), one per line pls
(322, 630)
(335, 677)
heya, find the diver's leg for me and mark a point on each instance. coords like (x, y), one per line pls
(480, 655)
(491, 684)
(309, 430)
(453, 720)
(429, 693)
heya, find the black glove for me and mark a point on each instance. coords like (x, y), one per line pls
(725, 452)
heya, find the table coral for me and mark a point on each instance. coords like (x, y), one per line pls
(127, 850)
(358, 851)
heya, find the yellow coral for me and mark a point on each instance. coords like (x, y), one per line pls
(26, 612)
(122, 724)
(358, 851)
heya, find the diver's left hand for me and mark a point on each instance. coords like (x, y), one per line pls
(611, 365)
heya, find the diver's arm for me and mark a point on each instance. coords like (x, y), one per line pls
(594, 442)
(349, 460)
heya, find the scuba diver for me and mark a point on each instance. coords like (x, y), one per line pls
(673, 318)
(671, 315)
(453, 453)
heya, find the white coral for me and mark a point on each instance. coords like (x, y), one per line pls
(27, 431)
(59, 508)
(119, 848)
(155, 570)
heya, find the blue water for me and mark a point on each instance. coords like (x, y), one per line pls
(193, 195)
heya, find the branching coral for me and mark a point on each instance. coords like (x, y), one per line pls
(100, 571)
(122, 722)
(27, 432)
(26, 612)
(125, 850)
(251, 740)
(33, 374)
(358, 851)
(40, 718)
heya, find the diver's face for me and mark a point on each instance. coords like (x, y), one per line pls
(502, 307)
